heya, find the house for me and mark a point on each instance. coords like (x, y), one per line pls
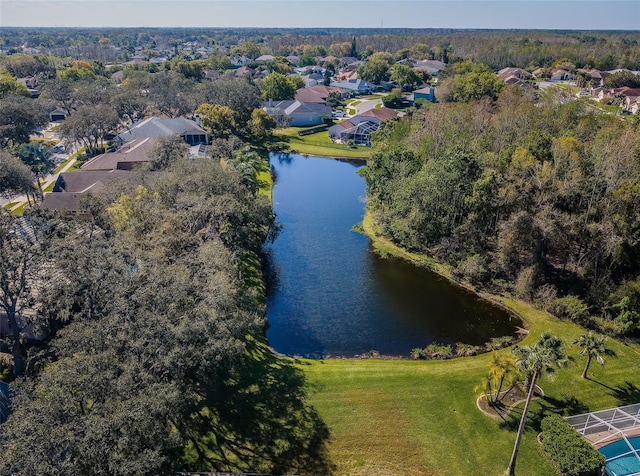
(433, 67)
(356, 86)
(58, 114)
(71, 188)
(127, 157)
(359, 128)
(245, 70)
(558, 74)
(299, 114)
(317, 94)
(313, 79)
(117, 77)
(507, 74)
(189, 130)
(265, 58)
(428, 93)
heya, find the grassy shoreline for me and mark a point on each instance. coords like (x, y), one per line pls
(403, 417)
(320, 145)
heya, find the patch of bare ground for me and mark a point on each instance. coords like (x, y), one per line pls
(508, 399)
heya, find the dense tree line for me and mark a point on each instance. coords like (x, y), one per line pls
(153, 358)
(497, 49)
(536, 197)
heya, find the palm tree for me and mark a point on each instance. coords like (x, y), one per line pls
(593, 345)
(502, 372)
(544, 355)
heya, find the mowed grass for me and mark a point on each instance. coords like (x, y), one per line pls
(402, 417)
(393, 417)
(319, 144)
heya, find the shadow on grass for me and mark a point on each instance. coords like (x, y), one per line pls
(261, 422)
(626, 393)
(565, 406)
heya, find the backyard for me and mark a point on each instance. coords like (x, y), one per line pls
(319, 144)
(420, 417)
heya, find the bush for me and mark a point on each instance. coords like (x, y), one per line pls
(570, 308)
(573, 455)
(439, 351)
(474, 269)
(497, 343)
(466, 350)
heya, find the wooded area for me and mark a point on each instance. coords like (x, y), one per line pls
(153, 308)
(532, 196)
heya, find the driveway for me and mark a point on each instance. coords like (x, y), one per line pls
(367, 104)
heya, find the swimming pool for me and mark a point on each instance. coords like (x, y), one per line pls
(621, 459)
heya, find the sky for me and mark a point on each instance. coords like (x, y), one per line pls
(491, 14)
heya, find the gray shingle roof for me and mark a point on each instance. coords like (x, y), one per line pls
(158, 127)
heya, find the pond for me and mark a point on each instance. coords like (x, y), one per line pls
(329, 295)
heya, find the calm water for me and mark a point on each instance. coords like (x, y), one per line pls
(330, 295)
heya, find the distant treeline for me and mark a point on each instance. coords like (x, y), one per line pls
(604, 50)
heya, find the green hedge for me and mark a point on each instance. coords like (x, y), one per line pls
(313, 130)
(573, 455)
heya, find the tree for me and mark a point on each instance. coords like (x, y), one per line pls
(277, 86)
(354, 50)
(217, 120)
(261, 124)
(10, 85)
(88, 126)
(23, 245)
(20, 117)
(61, 91)
(239, 94)
(621, 79)
(172, 94)
(37, 157)
(168, 150)
(129, 104)
(502, 372)
(543, 356)
(296, 81)
(405, 76)
(393, 99)
(15, 176)
(593, 346)
(374, 71)
(472, 82)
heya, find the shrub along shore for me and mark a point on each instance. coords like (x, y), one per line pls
(420, 417)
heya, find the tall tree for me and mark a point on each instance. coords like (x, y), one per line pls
(37, 157)
(89, 125)
(405, 76)
(218, 120)
(23, 246)
(19, 119)
(15, 176)
(277, 86)
(375, 71)
(593, 346)
(543, 356)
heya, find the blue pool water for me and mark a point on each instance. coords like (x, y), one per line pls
(620, 459)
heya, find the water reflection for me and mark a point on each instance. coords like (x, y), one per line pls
(328, 294)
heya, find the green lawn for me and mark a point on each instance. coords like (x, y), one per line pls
(420, 417)
(397, 417)
(319, 144)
